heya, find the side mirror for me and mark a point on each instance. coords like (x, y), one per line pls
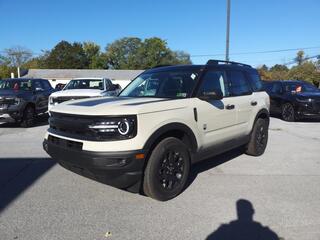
(213, 95)
(39, 89)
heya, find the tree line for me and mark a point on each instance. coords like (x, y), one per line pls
(134, 53)
(305, 69)
(124, 53)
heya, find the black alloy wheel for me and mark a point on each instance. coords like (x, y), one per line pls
(287, 112)
(167, 170)
(28, 118)
(259, 138)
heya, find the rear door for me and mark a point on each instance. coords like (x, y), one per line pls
(216, 118)
(241, 94)
(276, 94)
(47, 90)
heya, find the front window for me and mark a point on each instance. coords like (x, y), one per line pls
(24, 85)
(85, 84)
(300, 87)
(163, 84)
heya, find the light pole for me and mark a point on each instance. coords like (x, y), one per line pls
(228, 30)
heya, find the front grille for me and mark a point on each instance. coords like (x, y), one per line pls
(77, 127)
(7, 100)
(63, 99)
(65, 143)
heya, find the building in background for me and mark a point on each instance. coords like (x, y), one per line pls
(55, 76)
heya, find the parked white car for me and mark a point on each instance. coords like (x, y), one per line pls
(84, 88)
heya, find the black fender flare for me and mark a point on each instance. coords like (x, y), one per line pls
(176, 126)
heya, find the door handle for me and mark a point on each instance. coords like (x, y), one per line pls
(230, 106)
(254, 103)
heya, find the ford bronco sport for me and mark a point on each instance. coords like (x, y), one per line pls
(168, 118)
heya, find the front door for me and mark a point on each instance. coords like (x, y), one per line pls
(216, 118)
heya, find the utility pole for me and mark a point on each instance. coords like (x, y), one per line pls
(228, 30)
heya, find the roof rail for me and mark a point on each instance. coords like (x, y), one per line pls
(164, 65)
(216, 62)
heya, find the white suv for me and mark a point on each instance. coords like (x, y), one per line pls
(79, 88)
(165, 120)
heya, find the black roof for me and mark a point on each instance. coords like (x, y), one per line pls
(23, 79)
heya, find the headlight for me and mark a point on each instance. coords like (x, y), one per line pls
(17, 101)
(115, 128)
(304, 100)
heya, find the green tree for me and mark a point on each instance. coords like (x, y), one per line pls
(307, 71)
(279, 72)
(67, 56)
(97, 60)
(122, 53)
(264, 72)
(300, 57)
(133, 53)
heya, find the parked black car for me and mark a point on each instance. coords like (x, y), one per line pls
(22, 99)
(293, 99)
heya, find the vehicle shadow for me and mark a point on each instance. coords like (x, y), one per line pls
(302, 120)
(40, 120)
(17, 174)
(244, 227)
(212, 162)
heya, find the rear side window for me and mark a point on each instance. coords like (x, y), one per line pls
(238, 83)
(255, 82)
(46, 85)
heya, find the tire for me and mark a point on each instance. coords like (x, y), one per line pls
(287, 112)
(167, 170)
(258, 139)
(28, 117)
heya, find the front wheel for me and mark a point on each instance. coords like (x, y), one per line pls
(167, 170)
(259, 138)
(28, 117)
(287, 112)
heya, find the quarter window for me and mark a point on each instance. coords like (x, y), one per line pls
(238, 83)
(214, 81)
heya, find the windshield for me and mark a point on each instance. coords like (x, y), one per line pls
(24, 85)
(85, 84)
(300, 87)
(165, 84)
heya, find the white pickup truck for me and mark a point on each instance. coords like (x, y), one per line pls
(79, 88)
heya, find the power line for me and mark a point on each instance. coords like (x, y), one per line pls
(258, 52)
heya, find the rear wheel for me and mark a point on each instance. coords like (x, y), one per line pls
(28, 117)
(259, 138)
(287, 112)
(167, 170)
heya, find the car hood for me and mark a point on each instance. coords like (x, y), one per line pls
(119, 106)
(78, 92)
(12, 93)
(315, 95)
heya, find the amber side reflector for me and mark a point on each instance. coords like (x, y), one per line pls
(140, 156)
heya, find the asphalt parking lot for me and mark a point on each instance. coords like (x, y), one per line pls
(41, 200)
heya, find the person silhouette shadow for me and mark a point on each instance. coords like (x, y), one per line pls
(243, 228)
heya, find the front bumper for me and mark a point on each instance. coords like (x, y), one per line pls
(14, 111)
(308, 110)
(118, 169)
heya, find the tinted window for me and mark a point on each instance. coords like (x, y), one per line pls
(214, 81)
(170, 83)
(46, 85)
(37, 85)
(238, 83)
(255, 82)
(276, 88)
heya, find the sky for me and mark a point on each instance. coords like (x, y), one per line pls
(195, 26)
